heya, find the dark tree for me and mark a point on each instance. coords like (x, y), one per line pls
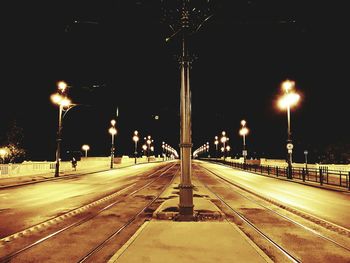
(14, 143)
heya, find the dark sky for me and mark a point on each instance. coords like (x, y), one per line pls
(115, 55)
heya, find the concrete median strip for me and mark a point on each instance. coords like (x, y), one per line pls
(188, 242)
(128, 243)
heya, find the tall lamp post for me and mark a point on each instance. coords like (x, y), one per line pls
(166, 147)
(208, 149)
(113, 131)
(60, 98)
(189, 20)
(243, 132)
(228, 148)
(85, 148)
(289, 99)
(223, 140)
(148, 141)
(144, 148)
(135, 138)
(216, 142)
(306, 153)
(163, 149)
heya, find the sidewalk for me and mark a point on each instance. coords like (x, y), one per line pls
(210, 239)
(12, 181)
(294, 180)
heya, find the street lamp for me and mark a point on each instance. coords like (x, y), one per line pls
(64, 103)
(243, 132)
(288, 100)
(167, 155)
(228, 148)
(113, 131)
(144, 148)
(163, 148)
(223, 140)
(216, 142)
(148, 141)
(135, 138)
(305, 153)
(85, 148)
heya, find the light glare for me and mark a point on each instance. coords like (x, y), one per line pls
(288, 100)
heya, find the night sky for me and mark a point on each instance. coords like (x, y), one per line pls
(113, 55)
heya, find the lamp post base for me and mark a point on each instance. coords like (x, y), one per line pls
(186, 203)
(185, 214)
(289, 172)
(57, 170)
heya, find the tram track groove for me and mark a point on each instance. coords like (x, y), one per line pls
(76, 211)
(247, 221)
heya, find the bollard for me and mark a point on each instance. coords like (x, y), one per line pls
(276, 171)
(321, 176)
(268, 170)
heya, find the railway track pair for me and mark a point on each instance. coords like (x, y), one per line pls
(86, 218)
(242, 203)
(253, 213)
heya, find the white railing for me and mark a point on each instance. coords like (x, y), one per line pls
(39, 168)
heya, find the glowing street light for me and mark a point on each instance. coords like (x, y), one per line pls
(163, 149)
(223, 140)
(148, 142)
(306, 153)
(113, 131)
(135, 138)
(289, 99)
(85, 148)
(144, 148)
(64, 104)
(3, 154)
(243, 132)
(62, 86)
(216, 142)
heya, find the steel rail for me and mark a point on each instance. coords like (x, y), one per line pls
(83, 220)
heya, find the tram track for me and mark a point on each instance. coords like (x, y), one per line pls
(258, 216)
(81, 216)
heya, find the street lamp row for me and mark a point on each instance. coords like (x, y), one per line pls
(202, 149)
(289, 99)
(169, 151)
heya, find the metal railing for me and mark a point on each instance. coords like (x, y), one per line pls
(321, 175)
